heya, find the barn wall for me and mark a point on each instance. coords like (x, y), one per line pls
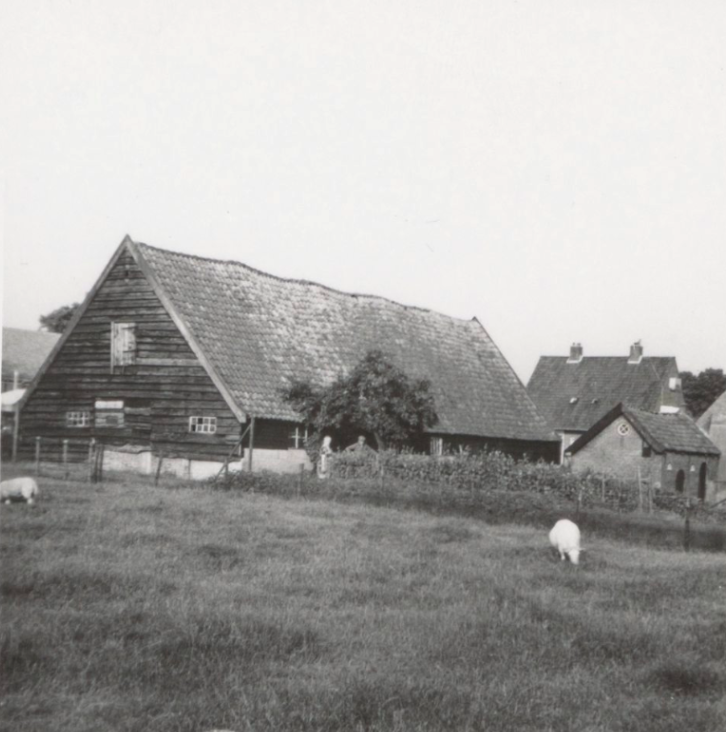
(165, 386)
(619, 455)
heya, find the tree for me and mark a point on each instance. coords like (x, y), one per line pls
(57, 320)
(701, 391)
(377, 398)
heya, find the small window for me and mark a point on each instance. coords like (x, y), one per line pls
(109, 413)
(647, 450)
(80, 418)
(203, 425)
(674, 383)
(623, 429)
(298, 438)
(123, 344)
(437, 445)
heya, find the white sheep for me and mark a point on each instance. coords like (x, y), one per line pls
(18, 489)
(565, 537)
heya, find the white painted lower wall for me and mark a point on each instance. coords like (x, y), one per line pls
(139, 459)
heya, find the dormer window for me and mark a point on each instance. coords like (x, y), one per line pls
(674, 383)
(123, 344)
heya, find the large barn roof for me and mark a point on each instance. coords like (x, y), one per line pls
(715, 414)
(575, 395)
(259, 332)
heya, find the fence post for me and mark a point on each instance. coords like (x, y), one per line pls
(640, 492)
(37, 455)
(687, 527)
(100, 447)
(91, 459)
(158, 467)
(300, 481)
(602, 489)
(65, 459)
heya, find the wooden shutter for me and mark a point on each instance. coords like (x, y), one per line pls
(123, 344)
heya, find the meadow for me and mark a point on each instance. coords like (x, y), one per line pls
(128, 606)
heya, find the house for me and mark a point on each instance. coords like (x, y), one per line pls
(713, 423)
(669, 450)
(573, 393)
(23, 353)
(187, 357)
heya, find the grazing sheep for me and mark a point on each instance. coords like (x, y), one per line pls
(565, 537)
(18, 489)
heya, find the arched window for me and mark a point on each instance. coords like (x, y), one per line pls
(680, 481)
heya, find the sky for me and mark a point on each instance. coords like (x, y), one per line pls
(555, 168)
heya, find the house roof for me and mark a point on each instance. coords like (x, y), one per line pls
(573, 396)
(25, 351)
(715, 414)
(258, 332)
(663, 432)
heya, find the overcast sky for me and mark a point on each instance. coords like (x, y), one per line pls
(556, 169)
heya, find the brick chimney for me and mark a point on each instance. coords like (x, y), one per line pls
(575, 353)
(636, 353)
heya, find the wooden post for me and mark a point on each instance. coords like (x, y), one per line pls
(252, 445)
(16, 433)
(302, 477)
(640, 492)
(91, 459)
(65, 459)
(602, 488)
(687, 527)
(158, 467)
(100, 449)
(37, 455)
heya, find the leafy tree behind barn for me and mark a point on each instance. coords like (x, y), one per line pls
(57, 320)
(376, 398)
(701, 391)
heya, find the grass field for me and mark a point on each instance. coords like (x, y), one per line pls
(130, 607)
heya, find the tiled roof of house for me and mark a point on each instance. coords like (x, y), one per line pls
(715, 414)
(25, 351)
(663, 432)
(259, 332)
(573, 396)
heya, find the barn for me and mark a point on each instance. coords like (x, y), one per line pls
(182, 356)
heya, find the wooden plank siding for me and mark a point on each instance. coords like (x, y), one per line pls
(164, 387)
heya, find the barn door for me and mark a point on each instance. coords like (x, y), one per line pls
(702, 482)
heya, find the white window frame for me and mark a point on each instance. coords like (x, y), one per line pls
(199, 425)
(299, 438)
(78, 418)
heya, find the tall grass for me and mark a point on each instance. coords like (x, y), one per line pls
(129, 607)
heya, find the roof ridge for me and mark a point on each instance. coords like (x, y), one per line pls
(295, 281)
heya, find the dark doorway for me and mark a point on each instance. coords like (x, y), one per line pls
(702, 482)
(680, 481)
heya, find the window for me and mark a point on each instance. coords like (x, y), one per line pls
(623, 429)
(109, 413)
(298, 438)
(647, 450)
(203, 425)
(80, 418)
(674, 383)
(437, 445)
(123, 344)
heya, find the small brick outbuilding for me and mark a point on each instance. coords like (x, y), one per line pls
(669, 450)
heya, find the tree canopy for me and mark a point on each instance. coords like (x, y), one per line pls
(701, 391)
(57, 320)
(376, 398)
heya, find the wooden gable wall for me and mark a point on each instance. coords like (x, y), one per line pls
(164, 387)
